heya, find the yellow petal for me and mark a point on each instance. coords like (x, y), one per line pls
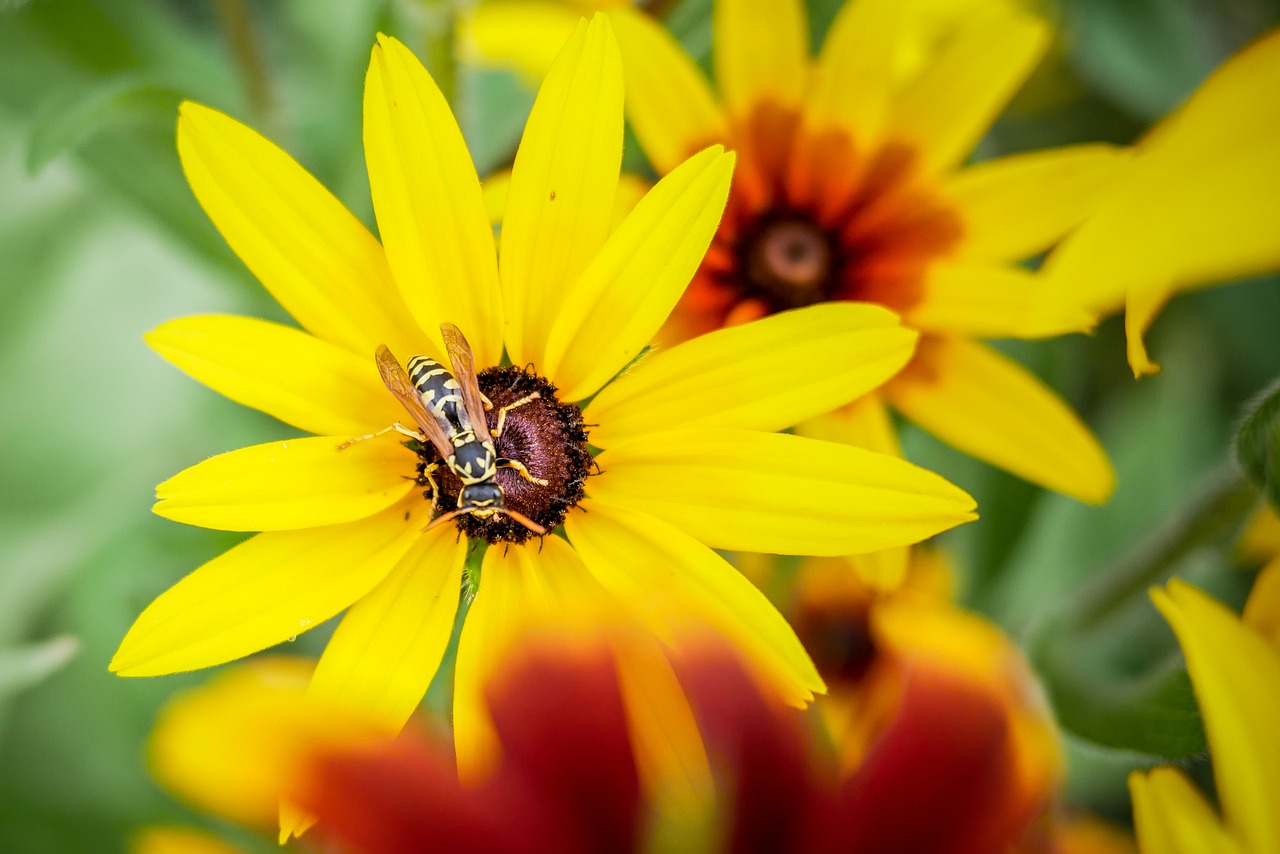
(1142, 305)
(622, 298)
(1172, 817)
(762, 492)
(865, 423)
(1262, 611)
(945, 111)
(656, 569)
(988, 300)
(669, 102)
(761, 53)
(766, 375)
(989, 406)
(854, 78)
(280, 486)
(428, 202)
(560, 206)
(303, 381)
(495, 189)
(317, 260)
(1235, 674)
(1013, 207)
(267, 589)
(178, 840)
(385, 652)
(631, 189)
(522, 34)
(1260, 540)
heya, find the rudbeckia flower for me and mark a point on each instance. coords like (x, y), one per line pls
(1199, 205)
(679, 461)
(1234, 666)
(850, 186)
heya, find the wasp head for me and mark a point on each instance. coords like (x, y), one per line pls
(481, 500)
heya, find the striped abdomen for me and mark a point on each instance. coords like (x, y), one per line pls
(440, 392)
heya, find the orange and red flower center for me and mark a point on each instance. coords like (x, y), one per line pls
(546, 436)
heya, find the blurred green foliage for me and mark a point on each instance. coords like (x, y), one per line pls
(100, 240)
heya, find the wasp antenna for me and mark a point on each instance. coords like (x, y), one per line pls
(525, 521)
(441, 519)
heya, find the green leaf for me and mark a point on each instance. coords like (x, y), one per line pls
(24, 666)
(1258, 443)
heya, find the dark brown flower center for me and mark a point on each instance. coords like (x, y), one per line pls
(791, 260)
(545, 435)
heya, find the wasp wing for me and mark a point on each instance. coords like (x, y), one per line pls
(398, 383)
(464, 371)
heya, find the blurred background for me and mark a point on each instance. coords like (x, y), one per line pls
(100, 240)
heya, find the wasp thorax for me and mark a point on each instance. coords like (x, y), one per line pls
(541, 434)
(790, 261)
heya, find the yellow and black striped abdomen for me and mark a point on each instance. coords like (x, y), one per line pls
(440, 391)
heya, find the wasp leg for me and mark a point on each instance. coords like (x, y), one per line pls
(398, 427)
(427, 472)
(505, 463)
(488, 404)
(502, 413)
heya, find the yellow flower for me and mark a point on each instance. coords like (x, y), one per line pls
(1235, 669)
(1199, 204)
(686, 464)
(849, 186)
(178, 840)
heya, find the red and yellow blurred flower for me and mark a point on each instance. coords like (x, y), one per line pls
(686, 465)
(850, 186)
(1234, 664)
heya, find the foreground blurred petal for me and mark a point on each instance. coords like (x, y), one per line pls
(946, 110)
(626, 293)
(427, 198)
(989, 406)
(761, 54)
(669, 102)
(385, 652)
(280, 486)
(763, 492)
(315, 258)
(766, 375)
(283, 372)
(1235, 674)
(1171, 817)
(267, 589)
(560, 206)
(1016, 206)
(651, 565)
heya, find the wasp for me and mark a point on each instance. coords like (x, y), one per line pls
(447, 408)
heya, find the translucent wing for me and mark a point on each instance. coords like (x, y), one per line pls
(464, 371)
(399, 384)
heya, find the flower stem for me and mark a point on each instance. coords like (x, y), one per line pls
(241, 33)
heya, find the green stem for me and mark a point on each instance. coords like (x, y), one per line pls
(242, 34)
(1217, 511)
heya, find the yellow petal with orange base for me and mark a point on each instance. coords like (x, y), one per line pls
(765, 375)
(427, 199)
(853, 82)
(304, 381)
(990, 407)
(314, 256)
(281, 486)
(761, 54)
(385, 652)
(560, 208)
(763, 492)
(622, 298)
(669, 102)
(269, 588)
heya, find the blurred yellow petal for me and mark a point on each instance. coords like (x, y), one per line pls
(989, 300)
(178, 840)
(266, 590)
(1199, 203)
(1235, 674)
(865, 423)
(315, 258)
(1260, 540)
(560, 206)
(1171, 817)
(1015, 206)
(299, 483)
(669, 102)
(945, 111)
(1262, 611)
(657, 570)
(989, 406)
(385, 652)
(746, 491)
(1143, 304)
(288, 374)
(625, 294)
(766, 375)
(525, 35)
(854, 78)
(427, 198)
(761, 53)
(495, 189)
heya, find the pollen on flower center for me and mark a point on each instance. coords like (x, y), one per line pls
(546, 436)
